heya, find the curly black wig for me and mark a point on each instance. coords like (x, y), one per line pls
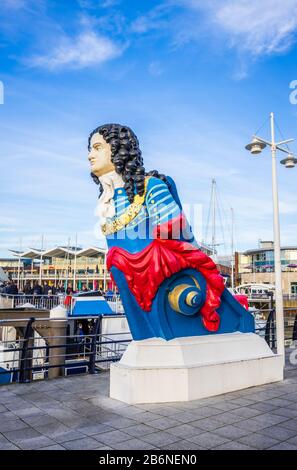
(126, 157)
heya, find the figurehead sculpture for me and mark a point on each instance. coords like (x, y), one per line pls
(168, 286)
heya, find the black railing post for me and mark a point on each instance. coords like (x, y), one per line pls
(92, 359)
(26, 355)
(270, 330)
(294, 335)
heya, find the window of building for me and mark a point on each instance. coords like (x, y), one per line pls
(293, 287)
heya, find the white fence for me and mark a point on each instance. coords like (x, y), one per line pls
(46, 302)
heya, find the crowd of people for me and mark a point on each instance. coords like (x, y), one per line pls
(11, 288)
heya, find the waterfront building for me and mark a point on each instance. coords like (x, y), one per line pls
(60, 266)
(63, 266)
(256, 266)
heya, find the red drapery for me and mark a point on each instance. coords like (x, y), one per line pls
(163, 257)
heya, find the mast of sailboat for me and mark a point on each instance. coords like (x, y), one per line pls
(232, 248)
(74, 267)
(19, 265)
(213, 202)
(67, 265)
(41, 256)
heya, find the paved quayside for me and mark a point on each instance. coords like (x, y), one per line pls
(76, 413)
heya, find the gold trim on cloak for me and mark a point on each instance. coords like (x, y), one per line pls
(124, 219)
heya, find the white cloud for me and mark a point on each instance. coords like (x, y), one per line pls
(259, 28)
(94, 4)
(142, 25)
(87, 49)
(14, 4)
(155, 19)
(8, 230)
(110, 3)
(27, 5)
(155, 69)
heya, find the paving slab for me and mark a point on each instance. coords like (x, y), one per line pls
(120, 422)
(283, 446)
(36, 443)
(278, 432)
(183, 445)
(290, 424)
(92, 428)
(208, 440)
(21, 435)
(233, 445)
(232, 432)
(259, 441)
(112, 437)
(12, 425)
(53, 447)
(160, 438)
(207, 424)
(163, 423)
(87, 443)
(140, 430)
(183, 431)
(133, 444)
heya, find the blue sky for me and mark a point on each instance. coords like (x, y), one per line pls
(193, 79)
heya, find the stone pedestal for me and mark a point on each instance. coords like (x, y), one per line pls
(58, 331)
(183, 369)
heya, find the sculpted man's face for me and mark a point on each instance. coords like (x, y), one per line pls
(100, 156)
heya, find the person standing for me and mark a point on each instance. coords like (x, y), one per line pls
(11, 288)
(79, 338)
(37, 290)
(27, 288)
(46, 288)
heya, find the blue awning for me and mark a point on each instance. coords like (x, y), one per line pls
(91, 306)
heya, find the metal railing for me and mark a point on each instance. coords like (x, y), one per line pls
(62, 276)
(24, 360)
(290, 296)
(266, 326)
(36, 357)
(46, 302)
(115, 303)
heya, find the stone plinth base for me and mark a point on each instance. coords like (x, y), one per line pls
(183, 369)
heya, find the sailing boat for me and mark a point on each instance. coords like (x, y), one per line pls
(215, 216)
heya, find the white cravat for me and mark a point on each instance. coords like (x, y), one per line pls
(105, 208)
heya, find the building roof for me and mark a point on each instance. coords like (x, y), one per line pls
(260, 250)
(31, 253)
(60, 252)
(91, 251)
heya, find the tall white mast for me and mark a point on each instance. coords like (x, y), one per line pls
(67, 264)
(41, 256)
(232, 248)
(213, 201)
(74, 266)
(19, 265)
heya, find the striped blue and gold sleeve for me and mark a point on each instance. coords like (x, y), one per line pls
(160, 203)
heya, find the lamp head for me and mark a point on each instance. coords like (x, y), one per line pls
(256, 146)
(289, 161)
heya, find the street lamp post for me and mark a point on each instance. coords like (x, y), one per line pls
(255, 147)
